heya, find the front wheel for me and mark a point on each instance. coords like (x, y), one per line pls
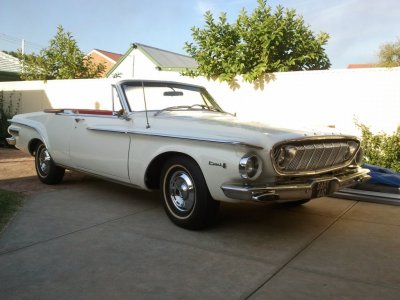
(46, 169)
(187, 201)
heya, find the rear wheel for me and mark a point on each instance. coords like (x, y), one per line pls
(187, 201)
(46, 170)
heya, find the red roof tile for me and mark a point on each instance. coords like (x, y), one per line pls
(114, 56)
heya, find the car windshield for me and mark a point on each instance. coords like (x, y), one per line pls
(167, 96)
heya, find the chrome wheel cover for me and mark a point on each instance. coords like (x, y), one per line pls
(181, 191)
(44, 162)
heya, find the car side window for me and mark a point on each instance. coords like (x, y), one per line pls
(117, 106)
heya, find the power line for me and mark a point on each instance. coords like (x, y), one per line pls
(9, 37)
(19, 41)
(34, 44)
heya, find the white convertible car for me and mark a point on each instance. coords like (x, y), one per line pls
(174, 137)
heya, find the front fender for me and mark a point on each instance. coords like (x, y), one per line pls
(218, 162)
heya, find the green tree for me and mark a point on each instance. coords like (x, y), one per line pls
(256, 45)
(9, 106)
(12, 53)
(389, 54)
(62, 59)
(381, 149)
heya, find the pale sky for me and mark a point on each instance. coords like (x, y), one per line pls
(356, 27)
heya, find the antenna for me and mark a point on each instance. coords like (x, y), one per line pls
(145, 107)
(112, 97)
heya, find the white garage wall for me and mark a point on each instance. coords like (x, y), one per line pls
(301, 99)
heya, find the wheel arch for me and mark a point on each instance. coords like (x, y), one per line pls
(153, 171)
(33, 145)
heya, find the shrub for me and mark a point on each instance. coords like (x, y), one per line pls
(9, 106)
(381, 149)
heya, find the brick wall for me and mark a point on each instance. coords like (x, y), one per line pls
(97, 58)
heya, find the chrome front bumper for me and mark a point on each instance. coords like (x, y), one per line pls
(285, 192)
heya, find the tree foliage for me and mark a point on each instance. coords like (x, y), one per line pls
(255, 45)
(62, 59)
(9, 106)
(389, 54)
(381, 149)
(12, 53)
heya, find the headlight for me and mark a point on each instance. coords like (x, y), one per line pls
(250, 166)
(351, 150)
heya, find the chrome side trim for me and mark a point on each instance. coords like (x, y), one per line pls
(106, 130)
(176, 137)
(285, 192)
(319, 138)
(102, 177)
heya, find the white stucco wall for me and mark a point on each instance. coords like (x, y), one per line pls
(334, 98)
(80, 93)
(300, 99)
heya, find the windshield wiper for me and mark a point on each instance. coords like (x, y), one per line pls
(205, 107)
(181, 107)
(177, 107)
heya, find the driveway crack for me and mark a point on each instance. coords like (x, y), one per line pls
(282, 267)
(76, 231)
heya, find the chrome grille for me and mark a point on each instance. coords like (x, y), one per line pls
(313, 156)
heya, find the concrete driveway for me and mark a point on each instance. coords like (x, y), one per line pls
(90, 239)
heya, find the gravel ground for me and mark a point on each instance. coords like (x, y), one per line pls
(17, 173)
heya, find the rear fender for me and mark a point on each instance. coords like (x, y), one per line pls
(29, 133)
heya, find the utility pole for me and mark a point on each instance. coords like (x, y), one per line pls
(23, 47)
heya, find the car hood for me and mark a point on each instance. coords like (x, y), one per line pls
(206, 125)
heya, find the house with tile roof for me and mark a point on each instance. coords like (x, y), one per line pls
(10, 67)
(362, 66)
(143, 61)
(109, 59)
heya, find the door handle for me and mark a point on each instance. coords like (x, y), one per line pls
(79, 119)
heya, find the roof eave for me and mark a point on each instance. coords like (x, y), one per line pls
(155, 62)
(159, 66)
(102, 55)
(138, 46)
(175, 69)
(116, 65)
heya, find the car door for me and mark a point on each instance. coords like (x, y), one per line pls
(100, 145)
(59, 127)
